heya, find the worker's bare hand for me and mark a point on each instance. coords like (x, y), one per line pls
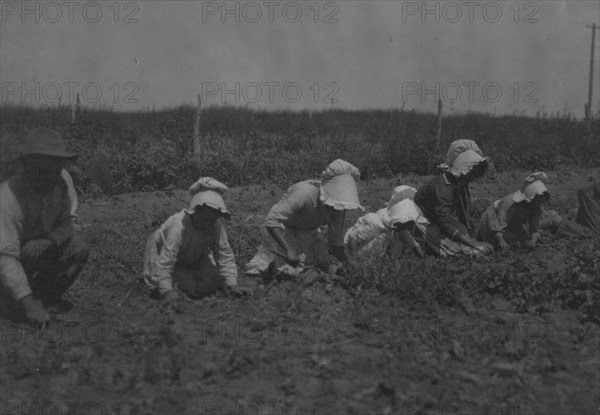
(38, 246)
(171, 296)
(530, 244)
(293, 257)
(239, 292)
(502, 244)
(35, 312)
(483, 247)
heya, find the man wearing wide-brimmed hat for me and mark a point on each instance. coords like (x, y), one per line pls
(40, 255)
(291, 234)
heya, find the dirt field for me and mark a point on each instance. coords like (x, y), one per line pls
(515, 333)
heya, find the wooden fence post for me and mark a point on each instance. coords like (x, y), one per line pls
(438, 135)
(73, 112)
(196, 144)
(588, 107)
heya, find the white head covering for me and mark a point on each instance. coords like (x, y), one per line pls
(400, 193)
(457, 162)
(465, 162)
(532, 186)
(208, 191)
(404, 211)
(338, 186)
(460, 146)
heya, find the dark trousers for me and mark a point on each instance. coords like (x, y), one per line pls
(198, 281)
(587, 223)
(53, 271)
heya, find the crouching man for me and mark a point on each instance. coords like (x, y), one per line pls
(40, 256)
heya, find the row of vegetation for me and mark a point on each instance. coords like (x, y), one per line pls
(138, 151)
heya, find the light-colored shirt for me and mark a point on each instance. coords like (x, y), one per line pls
(301, 209)
(26, 215)
(367, 228)
(179, 243)
(372, 233)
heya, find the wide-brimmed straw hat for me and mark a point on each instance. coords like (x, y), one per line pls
(209, 192)
(338, 186)
(45, 142)
(532, 186)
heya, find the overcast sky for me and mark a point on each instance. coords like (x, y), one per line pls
(502, 56)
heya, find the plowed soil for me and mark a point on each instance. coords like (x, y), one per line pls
(464, 342)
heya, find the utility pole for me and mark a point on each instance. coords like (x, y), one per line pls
(588, 107)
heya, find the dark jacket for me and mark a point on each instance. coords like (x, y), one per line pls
(446, 204)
